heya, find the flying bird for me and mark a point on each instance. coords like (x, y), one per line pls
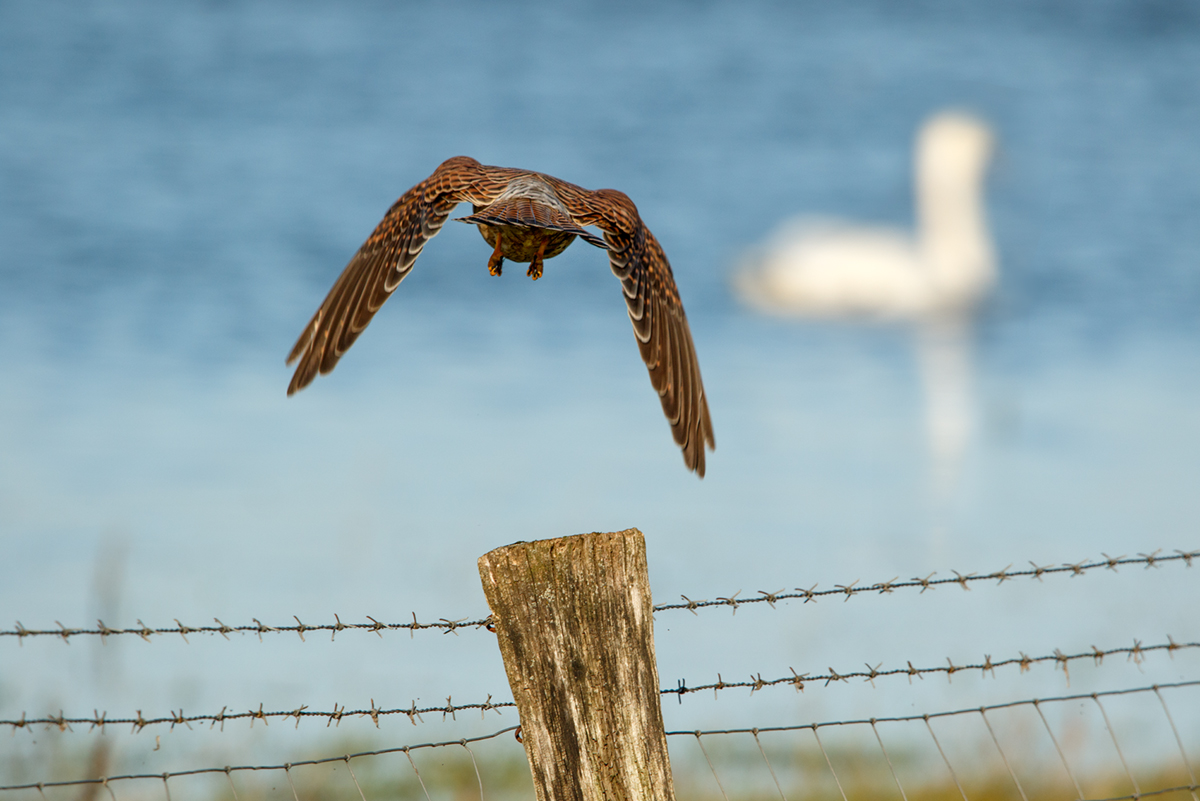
(946, 266)
(525, 217)
(933, 276)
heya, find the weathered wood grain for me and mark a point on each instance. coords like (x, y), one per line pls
(575, 625)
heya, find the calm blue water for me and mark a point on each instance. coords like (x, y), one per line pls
(180, 184)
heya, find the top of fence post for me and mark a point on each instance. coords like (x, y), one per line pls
(575, 625)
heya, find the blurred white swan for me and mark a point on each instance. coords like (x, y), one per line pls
(933, 278)
(833, 268)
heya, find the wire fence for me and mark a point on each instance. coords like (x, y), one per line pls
(838, 770)
(1034, 706)
(300, 628)
(1061, 661)
(448, 626)
(1010, 763)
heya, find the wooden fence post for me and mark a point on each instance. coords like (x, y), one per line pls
(575, 624)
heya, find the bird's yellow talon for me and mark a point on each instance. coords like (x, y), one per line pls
(496, 262)
(535, 266)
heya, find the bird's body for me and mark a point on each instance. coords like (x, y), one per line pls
(526, 217)
(528, 223)
(826, 268)
(932, 276)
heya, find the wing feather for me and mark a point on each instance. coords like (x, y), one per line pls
(382, 263)
(656, 312)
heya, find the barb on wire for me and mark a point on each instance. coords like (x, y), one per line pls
(101, 719)
(814, 727)
(258, 628)
(448, 626)
(228, 769)
(1136, 653)
(931, 715)
(847, 591)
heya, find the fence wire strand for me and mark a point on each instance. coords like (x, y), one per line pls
(1011, 772)
(848, 591)
(259, 628)
(229, 769)
(1179, 741)
(233, 789)
(1061, 755)
(1116, 745)
(774, 778)
(448, 626)
(949, 767)
(829, 762)
(475, 765)
(1136, 653)
(1163, 791)
(888, 759)
(711, 767)
(408, 754)
(353, 778)
(100, 719)
(287, 771)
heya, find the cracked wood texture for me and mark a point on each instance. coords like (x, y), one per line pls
(575, 624)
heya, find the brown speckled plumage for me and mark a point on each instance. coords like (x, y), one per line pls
(526, 217)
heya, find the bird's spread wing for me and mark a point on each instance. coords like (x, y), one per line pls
(635, 256)
(384, 260)
(655, 310)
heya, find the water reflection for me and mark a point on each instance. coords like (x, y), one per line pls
(932, 278)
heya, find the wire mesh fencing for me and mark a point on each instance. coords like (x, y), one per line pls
(1006, 750)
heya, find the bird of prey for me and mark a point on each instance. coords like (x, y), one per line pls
(526, 217)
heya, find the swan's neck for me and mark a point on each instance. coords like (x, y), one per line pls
(952, 228)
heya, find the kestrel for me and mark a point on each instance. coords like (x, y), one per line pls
(526, 217)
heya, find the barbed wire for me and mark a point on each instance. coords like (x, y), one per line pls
(464, 742)
(228, 769)
(447, 626)
(100, 719)
(259, 628)
(934, 715)
(1136, 653)
(929, 582)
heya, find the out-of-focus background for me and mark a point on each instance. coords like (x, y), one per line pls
(181, 183)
